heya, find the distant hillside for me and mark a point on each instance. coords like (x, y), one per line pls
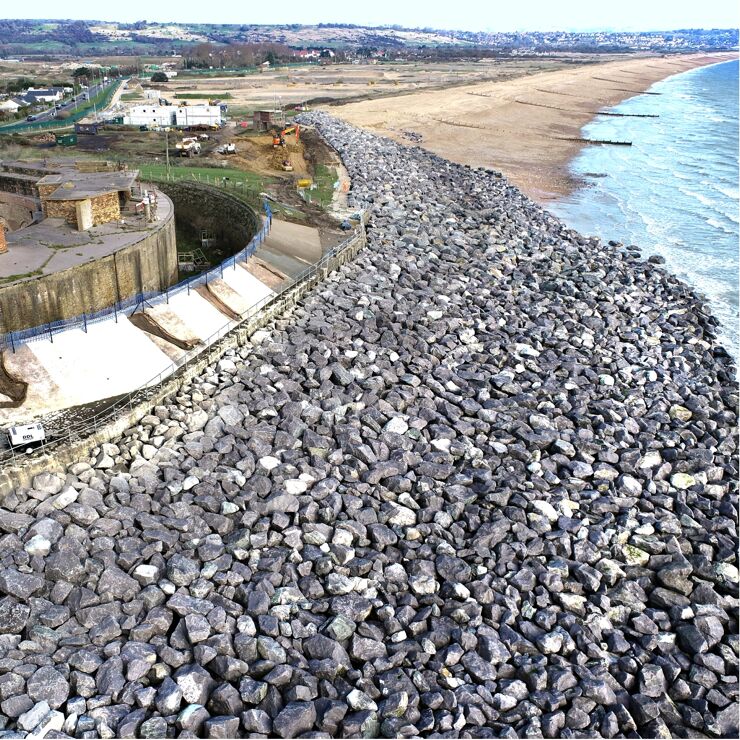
(54, 37)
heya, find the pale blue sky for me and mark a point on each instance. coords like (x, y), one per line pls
(477, 15)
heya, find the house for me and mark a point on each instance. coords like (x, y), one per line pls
(9, 106)
(45, 95)
(198, 115)
(264, 120)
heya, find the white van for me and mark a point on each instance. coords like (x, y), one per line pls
(25, 437)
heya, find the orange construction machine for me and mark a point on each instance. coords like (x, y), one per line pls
(278, 137)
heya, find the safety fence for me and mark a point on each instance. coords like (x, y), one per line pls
(233, 181)
(11, 341)
(71, 435)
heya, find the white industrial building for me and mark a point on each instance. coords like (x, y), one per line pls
(150, 115)
(173, 115)
(198, 115)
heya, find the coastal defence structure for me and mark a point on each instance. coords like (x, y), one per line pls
(176, 337)
(96, 238)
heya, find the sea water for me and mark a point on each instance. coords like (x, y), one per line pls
(674, 192)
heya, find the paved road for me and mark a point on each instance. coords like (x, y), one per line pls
(49, 115)
(70, 105)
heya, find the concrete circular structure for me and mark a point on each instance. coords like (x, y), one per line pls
(96, 246)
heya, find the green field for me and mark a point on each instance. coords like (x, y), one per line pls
(220, 177)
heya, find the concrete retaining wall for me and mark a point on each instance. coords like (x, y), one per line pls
(230, 219)
(142, 404)
(147, 265)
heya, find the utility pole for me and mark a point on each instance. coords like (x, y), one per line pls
(95, 110)
(167, 149)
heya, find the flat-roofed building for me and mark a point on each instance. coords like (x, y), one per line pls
(86, 199)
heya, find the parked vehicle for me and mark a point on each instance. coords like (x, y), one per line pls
(188, 147)
(26, 437)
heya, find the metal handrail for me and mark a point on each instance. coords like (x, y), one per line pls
(13, 339)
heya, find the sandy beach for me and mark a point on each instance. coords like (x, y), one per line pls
(523, 127)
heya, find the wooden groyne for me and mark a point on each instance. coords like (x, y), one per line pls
(625, 89)
(458, 123)
(582, 140)
(593, 112)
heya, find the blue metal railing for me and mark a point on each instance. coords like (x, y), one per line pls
(45, 332)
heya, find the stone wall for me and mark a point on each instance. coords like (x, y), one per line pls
(147, 265)
(105, 208)
(17, 183)
(232, 221)
(65, 209)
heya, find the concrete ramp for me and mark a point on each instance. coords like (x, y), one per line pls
(291, 248)
(236, 303)
(109, 359)
(12, 389)
(41, 390)
(172, 326)
(265, 273)
(246, 284)
(202, 318)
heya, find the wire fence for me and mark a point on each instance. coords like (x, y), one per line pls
(210, 349)
(248, 187)
(15, 339)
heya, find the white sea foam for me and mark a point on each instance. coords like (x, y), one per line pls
(675, 191)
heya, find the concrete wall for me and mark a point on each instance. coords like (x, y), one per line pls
(147, 265)
(203, 207)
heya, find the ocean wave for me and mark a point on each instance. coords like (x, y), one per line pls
(703, 199)
(729, 191)
(715, 224)
(675, 191)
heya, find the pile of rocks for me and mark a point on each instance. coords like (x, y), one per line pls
(479, 484)
(412, 136)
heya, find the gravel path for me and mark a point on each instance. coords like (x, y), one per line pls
(479, 484)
